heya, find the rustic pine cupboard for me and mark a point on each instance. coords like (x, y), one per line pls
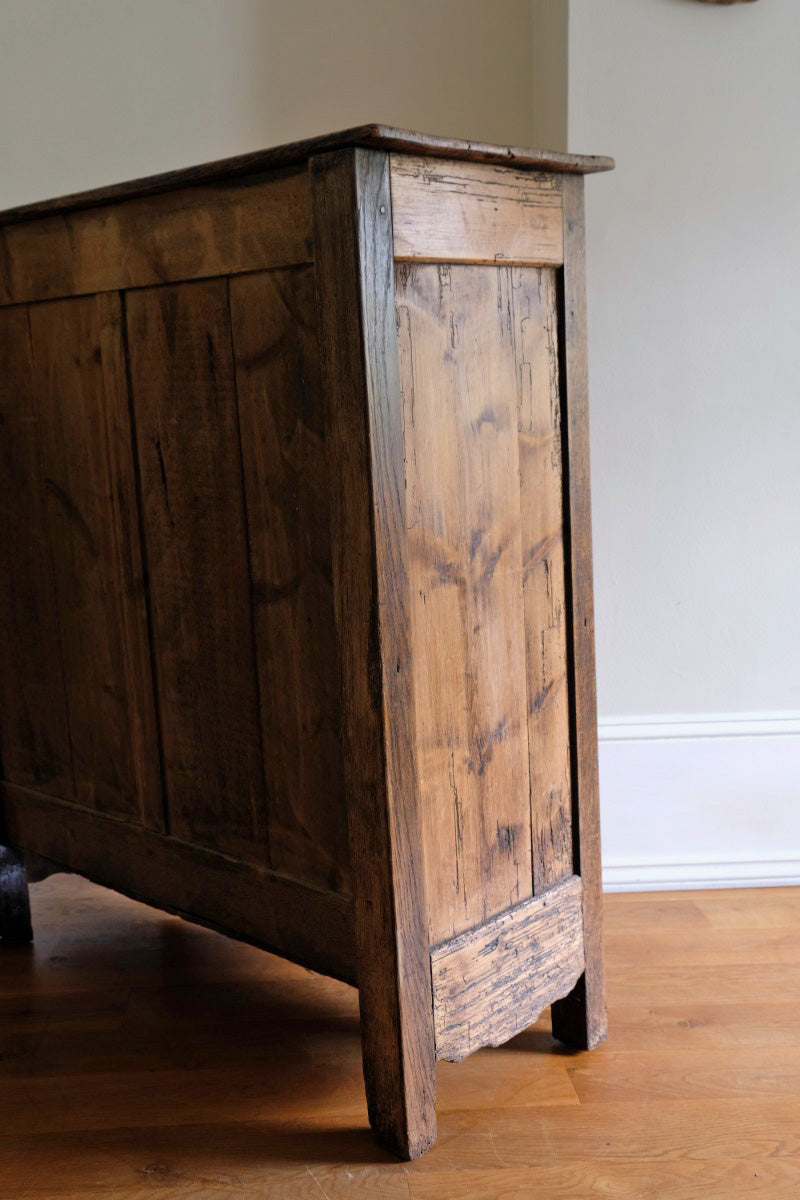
(296, 632)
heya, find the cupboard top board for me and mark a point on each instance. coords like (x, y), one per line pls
(381, 137)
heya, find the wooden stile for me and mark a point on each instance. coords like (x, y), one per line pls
(296, 632)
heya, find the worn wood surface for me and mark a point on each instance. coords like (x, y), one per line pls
(80, 392)
(282, 420)
(15, 909)
(353, 255)
(580, 1020)
(213, 1069)
(382, 137)
(34, 728)
(532, 307)
(474, 212)
(183, 234)
(309, 925)
(182, 379)
(459, 369)
(491, 983)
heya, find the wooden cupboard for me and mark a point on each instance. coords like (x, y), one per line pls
(296, 630)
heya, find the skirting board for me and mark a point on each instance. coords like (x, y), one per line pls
(700, 801)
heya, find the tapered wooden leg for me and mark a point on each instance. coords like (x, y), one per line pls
(579, 1019)
(15, 909)
(364, 441)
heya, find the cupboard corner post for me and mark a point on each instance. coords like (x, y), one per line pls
(353, 249)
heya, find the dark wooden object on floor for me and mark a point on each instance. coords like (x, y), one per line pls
(296, 632)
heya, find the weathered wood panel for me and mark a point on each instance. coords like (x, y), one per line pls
(34, 732)
(84, 421)
(457, 212)
(282, 415)
(307, 924)
(216, 229)
(182, 378)
(353, 254)
(530, 300)
(580, 1019)
(459, 376)
(491, 983)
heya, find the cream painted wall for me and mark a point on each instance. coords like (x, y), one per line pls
(93, 91)
(694, 312)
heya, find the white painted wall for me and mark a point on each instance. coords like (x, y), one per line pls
(694, 309)
(94, 91)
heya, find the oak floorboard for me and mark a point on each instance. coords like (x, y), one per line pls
(142, 1056)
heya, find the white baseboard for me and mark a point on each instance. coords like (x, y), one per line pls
(700, 801)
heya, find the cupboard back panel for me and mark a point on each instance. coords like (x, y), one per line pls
(166, 613)
(479, 375)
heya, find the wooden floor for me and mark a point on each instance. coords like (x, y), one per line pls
(144, 1057)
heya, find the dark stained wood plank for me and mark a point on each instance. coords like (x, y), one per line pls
(353, 255)
(580, 1020)
(458, 370)
(84, 420)
(15, 908)
(282, 415)
(377, 136)
(182, 380)
(184, 234)
(491, 983)
(533, 310)
(34, 731)
(474, 212)
(306, 924)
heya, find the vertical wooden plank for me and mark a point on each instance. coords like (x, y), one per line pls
(182, 380)
(459, 377)
(34, 733)
(353, 255)
(282, 416)
(580, 1019)
(81, 390)
(534, 308)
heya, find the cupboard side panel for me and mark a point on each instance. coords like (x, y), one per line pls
(282, 417)
(34, 732)
(534, 308)
(182, 379)
(81, 390)
(458, 372)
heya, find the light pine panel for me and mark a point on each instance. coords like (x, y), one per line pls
(182, 377)
(34, 732)
(457, 212)
(458, 375)
(189, 233)
(530, 300)
(282, 415)
(84, 425)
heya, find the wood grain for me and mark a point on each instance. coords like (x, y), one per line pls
(82, 399)
(309, 925)
(282, 416)
(353, 254)
(183, 234)
(455, 212)
(491, 983)
(580, 1020)
(34, 729)
(182, 379)
(532, 307)
(458, 371)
